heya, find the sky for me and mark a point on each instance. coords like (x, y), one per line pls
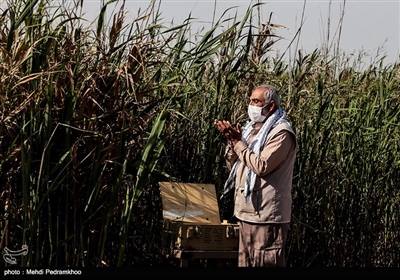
(368, 27)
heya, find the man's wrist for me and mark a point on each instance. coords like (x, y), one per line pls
(233, 141)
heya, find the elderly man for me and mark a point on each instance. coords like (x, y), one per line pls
(261, 161)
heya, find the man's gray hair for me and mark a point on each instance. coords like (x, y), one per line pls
(271, 93)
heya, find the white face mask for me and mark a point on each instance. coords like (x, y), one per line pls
(255, 113)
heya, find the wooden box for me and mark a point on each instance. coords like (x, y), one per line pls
(192, 220)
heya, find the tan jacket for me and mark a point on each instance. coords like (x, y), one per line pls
(272, 197)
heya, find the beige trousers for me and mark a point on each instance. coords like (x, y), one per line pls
(262, 245)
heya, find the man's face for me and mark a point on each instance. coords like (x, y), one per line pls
(257, 98)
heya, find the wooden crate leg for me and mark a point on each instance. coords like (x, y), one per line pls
(184, 262)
